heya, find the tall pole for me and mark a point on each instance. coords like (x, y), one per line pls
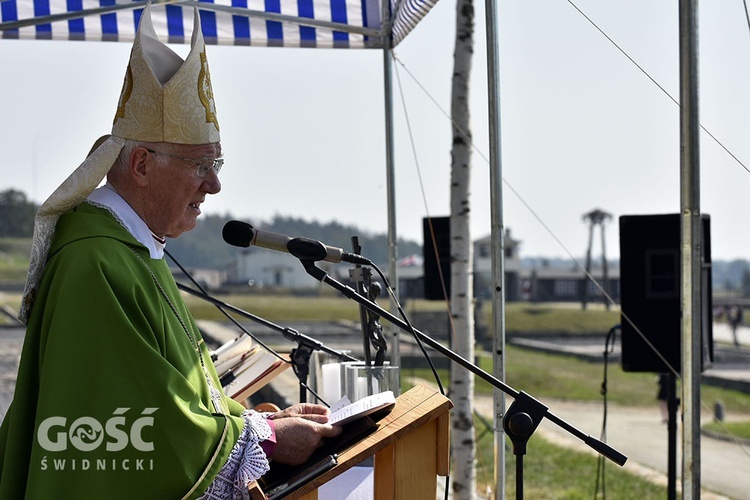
(595, 218)
(391, 191)
(585, 284)
(690, 249)
(497, 234)
(605, 269)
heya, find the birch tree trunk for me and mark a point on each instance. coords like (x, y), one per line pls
(463, 442)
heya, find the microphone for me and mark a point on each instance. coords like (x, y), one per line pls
(242, 234)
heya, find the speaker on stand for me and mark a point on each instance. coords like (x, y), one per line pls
(650, 284)
(437, 257)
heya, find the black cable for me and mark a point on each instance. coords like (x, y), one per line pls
(411, 328)
(609, 347)
(229, 316)
(396, 302)
(653, 80)
(247, 332)
(421, 347)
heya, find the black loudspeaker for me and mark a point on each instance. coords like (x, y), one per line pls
(650, 281)
(437, 257)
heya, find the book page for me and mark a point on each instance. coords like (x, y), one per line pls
(240, 359)
(362, 407)
(232, 348)
(340, 404)
(258, 365)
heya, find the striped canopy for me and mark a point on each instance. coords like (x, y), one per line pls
(278, 23)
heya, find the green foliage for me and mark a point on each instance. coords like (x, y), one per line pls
(16, 214)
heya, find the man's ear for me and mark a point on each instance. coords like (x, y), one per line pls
(139, 167)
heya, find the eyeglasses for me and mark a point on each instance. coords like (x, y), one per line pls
(203, 164)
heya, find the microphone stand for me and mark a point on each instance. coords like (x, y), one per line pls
(360, 277)
(371, 330)
(300, 356)
(525, 413)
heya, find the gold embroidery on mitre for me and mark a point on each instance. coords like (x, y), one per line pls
(127, 91)
(205, 94)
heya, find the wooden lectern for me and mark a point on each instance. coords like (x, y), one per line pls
(411, 447)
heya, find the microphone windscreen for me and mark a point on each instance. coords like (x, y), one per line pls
(237, 233)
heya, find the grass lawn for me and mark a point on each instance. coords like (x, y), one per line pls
(280, 308)
(522, 317)
(551, 471)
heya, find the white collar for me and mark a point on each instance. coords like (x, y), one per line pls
(106, 197)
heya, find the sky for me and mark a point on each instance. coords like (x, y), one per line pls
(303, 130)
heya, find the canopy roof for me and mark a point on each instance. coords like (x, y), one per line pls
(279, 23)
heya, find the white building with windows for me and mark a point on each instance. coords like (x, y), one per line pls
(260, 268)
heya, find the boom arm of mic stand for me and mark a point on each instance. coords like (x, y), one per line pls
(598, 445)
(300, 356)
(288, 333)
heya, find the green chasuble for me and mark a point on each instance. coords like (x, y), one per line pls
(111, 399)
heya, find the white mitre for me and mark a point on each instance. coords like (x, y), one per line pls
(163, 99)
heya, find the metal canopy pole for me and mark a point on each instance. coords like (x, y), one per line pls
(690, 219)
(497, 234)
(391, 190)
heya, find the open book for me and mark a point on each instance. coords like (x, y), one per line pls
(244, 368)
(354, 430)
(358, 420)
(232, 353)
(344, 411)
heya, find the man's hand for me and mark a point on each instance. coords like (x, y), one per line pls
(309, 411)
(299, 434)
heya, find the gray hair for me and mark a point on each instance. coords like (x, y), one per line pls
(121, 163)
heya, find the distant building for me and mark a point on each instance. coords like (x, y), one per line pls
(560, 284)
(411, 271)
(266, 268)
(483, 268)
(209, 279)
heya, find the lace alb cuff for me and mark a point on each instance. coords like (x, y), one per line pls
(246, 463)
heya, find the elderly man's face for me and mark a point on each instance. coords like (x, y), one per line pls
(177, 191)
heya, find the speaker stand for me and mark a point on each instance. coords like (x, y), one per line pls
(672, 403)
